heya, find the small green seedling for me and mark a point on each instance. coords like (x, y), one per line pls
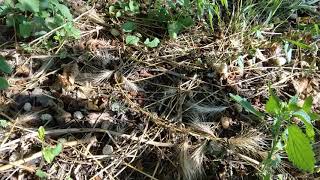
(292, 131)
(5, 68)
(48, 153)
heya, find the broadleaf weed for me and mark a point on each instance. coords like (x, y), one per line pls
(287, 135)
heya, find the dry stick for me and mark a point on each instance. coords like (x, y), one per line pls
(82, 130)
(39, 154)
(132, 167)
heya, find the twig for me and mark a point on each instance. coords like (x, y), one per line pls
(39, 154)
(132, 167)
(83, 130)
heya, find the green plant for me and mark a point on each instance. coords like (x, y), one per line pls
(48, 153)
(38, 17)
(286, 133)
(174, 16)
(5, 68)
(212, 8)
(41, 174)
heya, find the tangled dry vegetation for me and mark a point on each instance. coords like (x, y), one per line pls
(132, 112)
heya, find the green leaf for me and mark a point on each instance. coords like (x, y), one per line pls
(50, 153)
(57, 150)
(305, 118)
(72, 31)
(132, 40)
(134, 6)
(185, 22)
(3, 83)
(118, 14)
(44, 4)
(64, 10)
(299, 149)
(174, 28)
(299, 44)
(41, 133)
(247, 105)
(307, 105)
(111, 9)
(292, 105)
(9, 3)
(41, 174)
(4, 66)
(29, 5)
(224, 3)
(273, 106)
(152, 44)
(184, 3)
(210, 14)
(3, 123)
(200, 7)
(314, 116)
(129, 26)
(25, 29)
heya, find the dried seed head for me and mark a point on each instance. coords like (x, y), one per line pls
(192, 163)
(103, 76)
(208, 108)
(252, 142)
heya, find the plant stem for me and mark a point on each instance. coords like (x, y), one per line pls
(275, 141)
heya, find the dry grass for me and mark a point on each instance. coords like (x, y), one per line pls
(157, 111)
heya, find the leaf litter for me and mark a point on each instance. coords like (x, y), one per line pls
(135, 112)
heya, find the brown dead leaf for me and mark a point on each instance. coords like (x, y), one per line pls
(67, 79)
(71, 71)
(92, 105)
(300, 85)
(23, 70)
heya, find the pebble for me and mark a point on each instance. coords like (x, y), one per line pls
(105, 125)
(78, 115)
(14, 156)
(107, 150)
(46, 117)
(115, 32)
(280, 61)
(225, 122)
(27, 107)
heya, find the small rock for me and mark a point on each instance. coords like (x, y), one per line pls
(115, 32)
(27, 107)
(78, 115)
(14, 157)
(62, 140)
(280, 61)
(105, 125)
(37, 92)
(46, 117)
(225, 122)
(107, 150)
